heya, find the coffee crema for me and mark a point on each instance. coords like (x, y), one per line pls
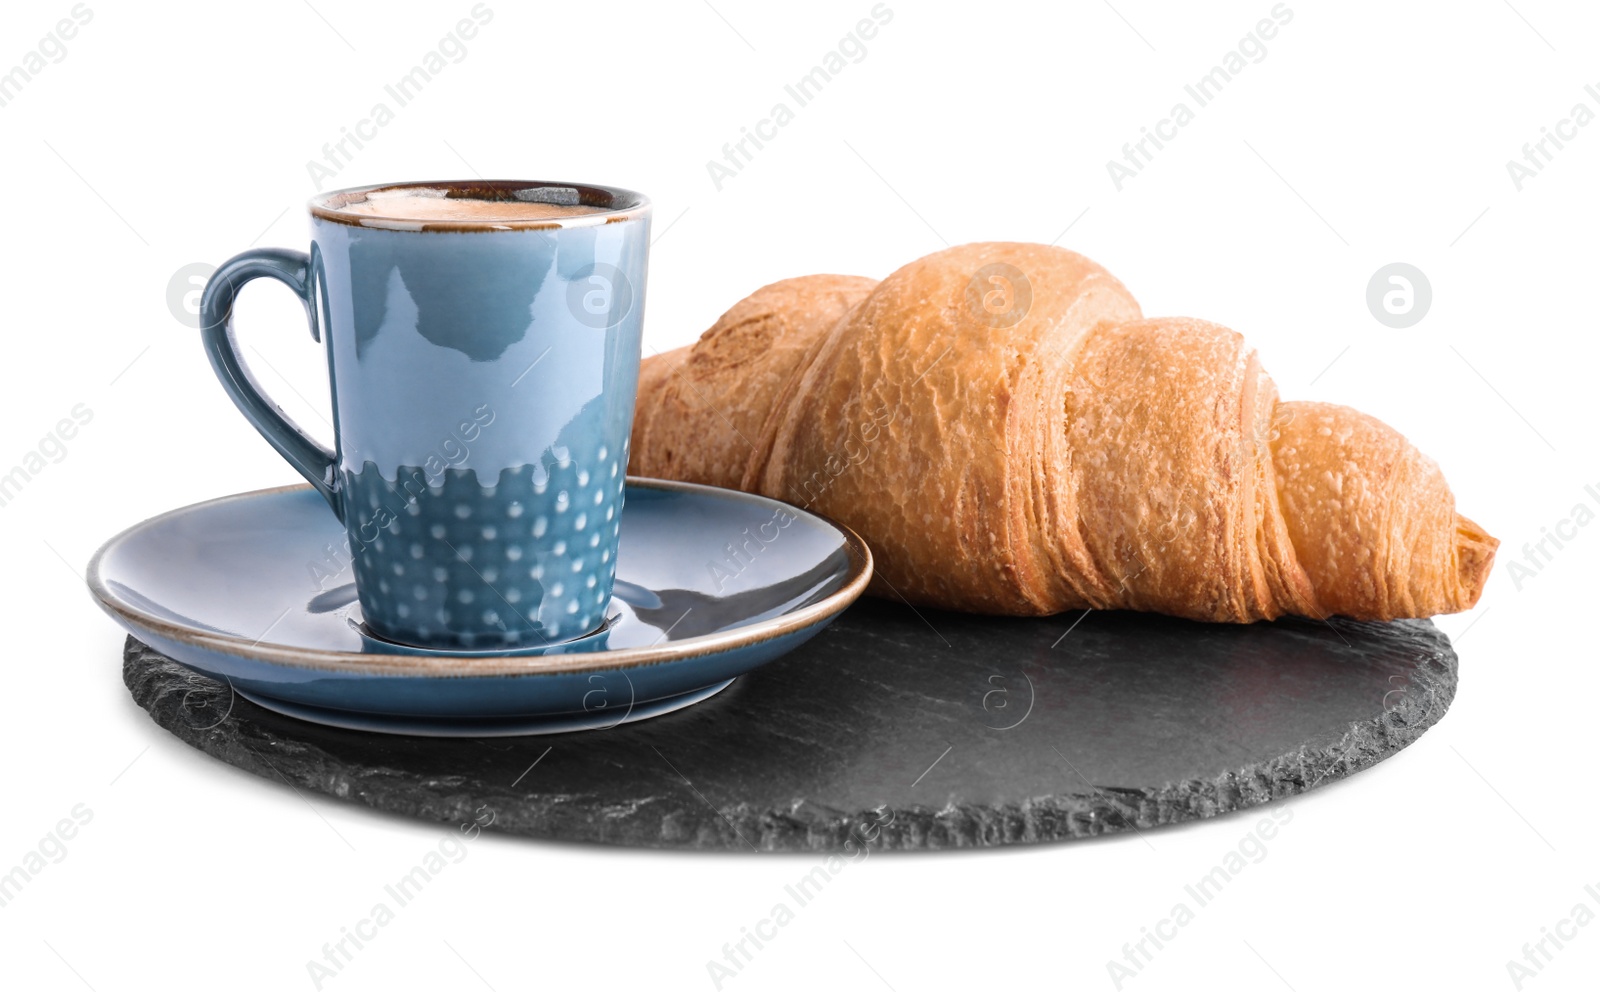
(433, 205)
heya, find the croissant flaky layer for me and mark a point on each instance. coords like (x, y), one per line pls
(1011, 436)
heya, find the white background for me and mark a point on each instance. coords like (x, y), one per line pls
(1371, 133)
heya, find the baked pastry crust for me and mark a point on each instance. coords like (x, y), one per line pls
(1010, 436)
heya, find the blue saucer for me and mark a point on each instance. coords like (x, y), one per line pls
(250, 589)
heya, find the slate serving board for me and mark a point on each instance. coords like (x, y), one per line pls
(898, 729)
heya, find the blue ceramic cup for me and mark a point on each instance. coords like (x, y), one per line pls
(483, 341)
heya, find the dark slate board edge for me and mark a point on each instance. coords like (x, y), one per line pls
(163, 687)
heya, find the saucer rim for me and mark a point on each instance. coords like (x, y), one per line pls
(860, 569)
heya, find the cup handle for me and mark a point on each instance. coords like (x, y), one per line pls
(293, 269)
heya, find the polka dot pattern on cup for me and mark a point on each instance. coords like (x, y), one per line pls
(527, 560)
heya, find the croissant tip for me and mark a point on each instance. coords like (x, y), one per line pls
(1475, 550)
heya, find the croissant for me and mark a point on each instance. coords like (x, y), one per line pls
(1010, 436)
